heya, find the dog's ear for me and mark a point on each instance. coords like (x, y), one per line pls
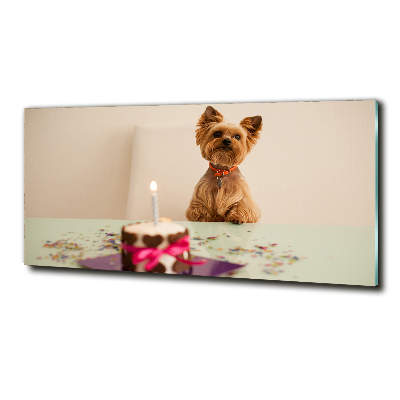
(208, 118)
(253, 125)
(211, 115)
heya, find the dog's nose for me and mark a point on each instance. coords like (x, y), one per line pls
(226, 142)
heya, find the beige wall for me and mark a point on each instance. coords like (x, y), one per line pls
(318, 159)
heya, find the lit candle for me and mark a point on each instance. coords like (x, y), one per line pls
(154, 201)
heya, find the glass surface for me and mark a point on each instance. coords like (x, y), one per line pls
(376, 192)
(303, 253)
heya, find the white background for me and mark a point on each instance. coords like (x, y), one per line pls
(86, 335)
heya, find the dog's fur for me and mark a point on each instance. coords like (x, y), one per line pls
(232, 202)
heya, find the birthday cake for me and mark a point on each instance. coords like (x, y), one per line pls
(161, 248)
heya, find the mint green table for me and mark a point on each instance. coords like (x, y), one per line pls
(322, 254)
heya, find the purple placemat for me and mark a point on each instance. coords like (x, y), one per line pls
(210, 268)
(107, 263)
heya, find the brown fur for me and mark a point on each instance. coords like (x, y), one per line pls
(232, 202)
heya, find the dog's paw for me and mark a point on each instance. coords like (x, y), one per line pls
(236, 222)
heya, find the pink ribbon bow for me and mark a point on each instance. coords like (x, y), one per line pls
(153, 254)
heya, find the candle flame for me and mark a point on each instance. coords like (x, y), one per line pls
(153, 186)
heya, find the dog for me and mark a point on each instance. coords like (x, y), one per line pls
(222, 194)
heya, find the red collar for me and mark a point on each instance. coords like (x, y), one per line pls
(220, 172)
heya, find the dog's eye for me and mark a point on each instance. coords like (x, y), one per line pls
(237, 137)
(217, 134)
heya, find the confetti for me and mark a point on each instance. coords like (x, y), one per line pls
(76, 246)
(74, 249)
(269, 251)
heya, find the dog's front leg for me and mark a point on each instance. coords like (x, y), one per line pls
(197, 212)
(245, 211)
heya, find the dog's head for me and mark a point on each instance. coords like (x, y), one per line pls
(224, 143)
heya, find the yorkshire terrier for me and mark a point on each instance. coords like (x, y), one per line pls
(222, 194)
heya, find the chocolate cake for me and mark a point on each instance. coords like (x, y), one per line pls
(149, 235)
